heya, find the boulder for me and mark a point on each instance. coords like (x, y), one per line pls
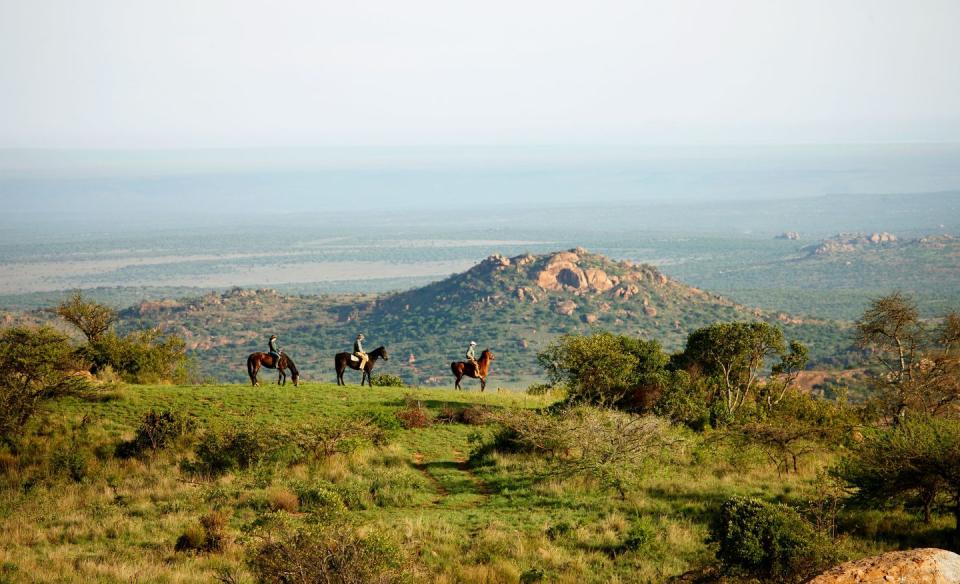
(565, 307)
(919, 566)
(598, 279)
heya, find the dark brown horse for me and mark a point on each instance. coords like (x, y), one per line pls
(463, 369)
(256, 360)
(344, 360)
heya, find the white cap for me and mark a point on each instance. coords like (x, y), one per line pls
(473, 342)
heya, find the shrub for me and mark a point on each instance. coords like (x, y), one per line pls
(70, 462)
(146, 356)
(240, 447)
(282, 499)
(332, 553)
(414, 415)
(37, 365)
(387, 380)
(471, 415)
(209, 534)
(914, 462)
(339, 435)
(540, 389)
(684, 401)
(319, 499)
(157, 430)
(603, 368)
(771, 542)
(608, 445)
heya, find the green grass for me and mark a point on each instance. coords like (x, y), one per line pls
(488, 521)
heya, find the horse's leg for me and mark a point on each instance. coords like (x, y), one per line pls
(483, 384)
(457, 384)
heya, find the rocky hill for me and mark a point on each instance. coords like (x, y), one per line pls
(514, 306)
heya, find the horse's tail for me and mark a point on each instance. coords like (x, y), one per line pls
(250, 365)
(453, 367)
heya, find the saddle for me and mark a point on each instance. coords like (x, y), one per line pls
(354, 358)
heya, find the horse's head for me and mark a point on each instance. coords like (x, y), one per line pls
(489, 355)
(295, 378)
(383, 353)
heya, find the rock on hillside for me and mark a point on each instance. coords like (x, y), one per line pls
(919, 566)
(849, 242)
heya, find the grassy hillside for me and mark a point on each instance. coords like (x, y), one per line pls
(514, 306)
(111, 519)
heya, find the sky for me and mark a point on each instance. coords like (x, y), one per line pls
(143, 74)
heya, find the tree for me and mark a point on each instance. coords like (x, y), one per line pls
(602, 367)
(916, 460)
(37, 364)
(93, 319)
(920, 364)
(734, 354)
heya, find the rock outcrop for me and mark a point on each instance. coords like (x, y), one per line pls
(919, 566)
(849, 242)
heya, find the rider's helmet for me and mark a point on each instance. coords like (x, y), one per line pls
(273, 336)
(473, 343)
(360, 337)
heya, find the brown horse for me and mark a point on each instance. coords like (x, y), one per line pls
(343, 360)
(255, 360)
(463, 369)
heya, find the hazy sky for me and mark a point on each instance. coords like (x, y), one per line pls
(214, 73)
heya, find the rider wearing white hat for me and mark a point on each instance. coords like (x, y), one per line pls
(471, 357)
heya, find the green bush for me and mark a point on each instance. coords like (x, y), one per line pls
(241, 447)
(145, 356)
(157, 430)
(771, 542)
(331, 553)
(684, 401)
(320, 500)
(37, 365)
(387, 380)
(539, 389)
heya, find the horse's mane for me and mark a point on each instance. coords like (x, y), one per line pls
(292, 365)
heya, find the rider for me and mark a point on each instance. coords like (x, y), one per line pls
(472, 358)
(358, 351)
(274, 351)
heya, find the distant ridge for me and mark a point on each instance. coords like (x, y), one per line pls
(512, 305)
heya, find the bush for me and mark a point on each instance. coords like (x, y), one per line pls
(332, 553)
(157, 430)
(282, 499)
(471, 415)
(241, 447)
(209, 534)
(608, 445)
(540, 389)
(414, 415)
(145, 356)
(37, 365)
(771, 542)
(340, 435)
(684, 401)
(387, 380)
(319, 500)
(604, 368)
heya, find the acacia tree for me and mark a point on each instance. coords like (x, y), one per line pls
(734, 355)
(92, 318)
(920, 364)
(916, 459)
(37, 364)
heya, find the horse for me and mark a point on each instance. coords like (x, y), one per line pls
(343, 360)
(255, 360)
(463, 369)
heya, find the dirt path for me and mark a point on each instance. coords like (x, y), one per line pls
(454, 482)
